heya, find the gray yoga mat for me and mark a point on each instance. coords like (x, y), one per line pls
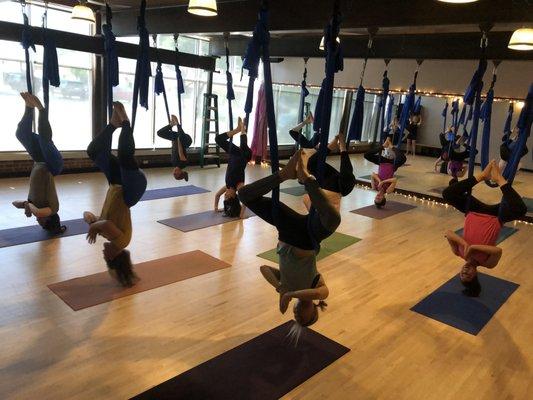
(34, 233)
(177, 191)
(266, 367)
(390, 209)
(188, 223)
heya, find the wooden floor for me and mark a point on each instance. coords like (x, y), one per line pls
(119, 349)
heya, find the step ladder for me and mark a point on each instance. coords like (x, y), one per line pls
(210, 151)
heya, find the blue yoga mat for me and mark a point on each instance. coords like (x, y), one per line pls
(177, 191)
(529, 204)
(505, 233)
(34, 233)
(470, 314)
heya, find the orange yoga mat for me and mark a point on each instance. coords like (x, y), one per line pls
(88, 291)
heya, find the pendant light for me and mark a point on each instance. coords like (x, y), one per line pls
(522, 39)
(204, 8)
(321, 45)
(458, 1)
(82, 13)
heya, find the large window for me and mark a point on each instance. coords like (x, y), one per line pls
(70, 104)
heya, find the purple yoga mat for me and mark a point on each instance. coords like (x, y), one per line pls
(34, 233)
(390, 209)
(187, 223)
(177, 191)
(264, 368)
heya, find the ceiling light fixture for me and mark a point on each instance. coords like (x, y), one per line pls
(204, 8)
(522, 39)
(82, 12)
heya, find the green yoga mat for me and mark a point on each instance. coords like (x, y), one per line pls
(332, 244)
(295, 191)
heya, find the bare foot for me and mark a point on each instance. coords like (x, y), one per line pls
(27, 210)
(309, 119)
(121, 112)
(302, 171)
(289, 170)
(26, 99)
(36, 102)
(496, 175)
(115, 118)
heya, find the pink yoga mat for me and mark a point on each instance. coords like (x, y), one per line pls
(88, 291)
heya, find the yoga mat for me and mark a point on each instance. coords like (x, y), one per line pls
(529, 204)
(332, 244)
(265, 368)
(34, 233)
(177, 191)
(187, 223)
(470, 314)
(505, 232)
(88, 291)
(294, 191)
(369, 177)
(390, 209)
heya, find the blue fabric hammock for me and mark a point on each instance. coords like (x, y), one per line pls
(27, 43)
(486, 115)
(524, 128)
(318, 108)
(356, 127)
(385, 85)
(304, 92)
(110, 59)
(445, 117)
(258, 47)
(508, 122)
(407, 109)
(159, 86)
(417, 106)
(50, 63)
(143, 70)
(179, 78)
(230, 93)
(473, 97)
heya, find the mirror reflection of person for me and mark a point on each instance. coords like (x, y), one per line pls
(415, 120)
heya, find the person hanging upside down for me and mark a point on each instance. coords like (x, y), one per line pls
(299, 238)
(482, 225)
(180, 143)
(238, 159)
(42, 199)
(388, 159)
(456, 165)
(509, 141)
(127, 184)
(339, 182)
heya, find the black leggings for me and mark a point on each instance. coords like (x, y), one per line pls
(511, 207)
(302, 231)
(341, 181)
(184, 141)
(375, 157)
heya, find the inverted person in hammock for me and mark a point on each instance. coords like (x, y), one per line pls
(42, 199)
(299, 237)
(482, 225)
(180, 143)
(509, 141)
(341, 182)
(127, 184)
(388, 158)
(239, 156)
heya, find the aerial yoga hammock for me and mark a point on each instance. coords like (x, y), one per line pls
(238, 156)
(299, 235)
(384, 154)
(483, 222)
(127, 182)
(42, 201)
(510, 141)
(180, 140)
